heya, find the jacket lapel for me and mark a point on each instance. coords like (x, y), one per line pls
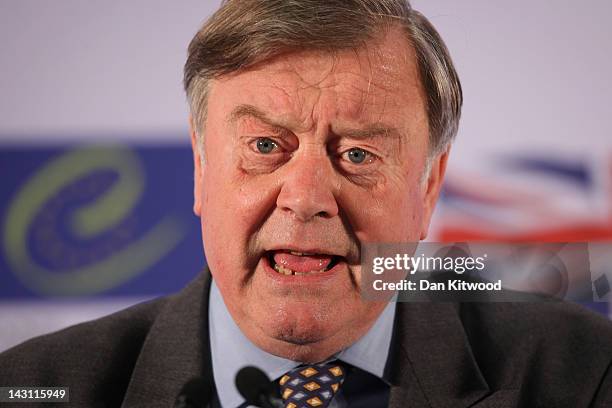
(175, 350)
(432, 363)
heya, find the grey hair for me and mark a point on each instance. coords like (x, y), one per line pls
(243, 33)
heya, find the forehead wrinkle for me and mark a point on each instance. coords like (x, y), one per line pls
(368, 106)
(380, 81)
(355, 89)
(327, 82)
(297, 100)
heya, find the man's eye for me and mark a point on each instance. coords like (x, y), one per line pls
(358, 156)
(265, 145)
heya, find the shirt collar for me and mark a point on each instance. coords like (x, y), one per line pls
(231, 350)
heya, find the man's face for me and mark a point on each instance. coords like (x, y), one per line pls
(308, 156)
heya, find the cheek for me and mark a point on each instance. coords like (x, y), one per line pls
(233, 209)
(222, 228)
(391, 212)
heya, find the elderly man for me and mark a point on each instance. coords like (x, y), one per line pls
(318, 126)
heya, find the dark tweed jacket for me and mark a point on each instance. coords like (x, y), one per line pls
(443, 355)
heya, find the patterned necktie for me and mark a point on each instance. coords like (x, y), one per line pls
(309, 386)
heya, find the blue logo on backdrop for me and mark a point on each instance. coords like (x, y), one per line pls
(97, 220)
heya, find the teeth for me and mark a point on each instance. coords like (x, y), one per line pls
(296, 253)
(286, 271)
(282, 270)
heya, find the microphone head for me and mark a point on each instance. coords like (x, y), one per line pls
(252, 383)
(195, 394)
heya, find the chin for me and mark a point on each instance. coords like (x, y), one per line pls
(296, 336)
(301, 326)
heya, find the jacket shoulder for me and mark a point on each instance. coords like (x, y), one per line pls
(81, 355)
(559, 325)
(548, 349)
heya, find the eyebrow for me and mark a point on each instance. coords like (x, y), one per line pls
(370, 131)
(242, 111)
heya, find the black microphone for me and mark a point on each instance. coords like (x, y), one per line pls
(196, 393)
(256, 388)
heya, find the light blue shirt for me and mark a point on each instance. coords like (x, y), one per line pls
(231, 350)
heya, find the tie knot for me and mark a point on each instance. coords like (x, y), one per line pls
(310, 386)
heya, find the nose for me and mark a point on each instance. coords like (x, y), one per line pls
(308, 190)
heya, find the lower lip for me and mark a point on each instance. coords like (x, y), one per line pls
(315, 277)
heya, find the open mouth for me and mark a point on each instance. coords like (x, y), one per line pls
(293, 263)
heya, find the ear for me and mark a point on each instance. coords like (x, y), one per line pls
(197, 169)
(433, 186)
